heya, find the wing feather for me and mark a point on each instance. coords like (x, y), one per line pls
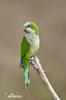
(25, 46)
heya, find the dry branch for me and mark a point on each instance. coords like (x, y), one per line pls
(37, 66)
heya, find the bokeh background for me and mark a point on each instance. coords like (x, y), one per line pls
(50, 16)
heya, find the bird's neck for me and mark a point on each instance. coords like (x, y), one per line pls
(31, 36)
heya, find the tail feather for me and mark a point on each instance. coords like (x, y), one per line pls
(26, 68)
(28, 73)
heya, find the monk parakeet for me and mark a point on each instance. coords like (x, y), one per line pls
(29, 47)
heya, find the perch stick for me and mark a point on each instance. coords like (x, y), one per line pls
(37, 66)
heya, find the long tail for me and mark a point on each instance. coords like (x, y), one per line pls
(26, 68)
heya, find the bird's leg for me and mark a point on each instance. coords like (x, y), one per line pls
(33, 62)
(31, 59)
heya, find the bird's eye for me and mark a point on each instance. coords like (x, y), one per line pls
(28, 26)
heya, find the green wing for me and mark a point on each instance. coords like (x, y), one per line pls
(25, 46)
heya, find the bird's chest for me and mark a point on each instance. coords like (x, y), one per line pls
(33, 41)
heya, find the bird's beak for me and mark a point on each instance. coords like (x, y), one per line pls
(24, 29)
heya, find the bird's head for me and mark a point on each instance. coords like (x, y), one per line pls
(31, 27)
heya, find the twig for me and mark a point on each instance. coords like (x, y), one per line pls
(37, 66)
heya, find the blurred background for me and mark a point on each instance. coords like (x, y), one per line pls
(50, 16)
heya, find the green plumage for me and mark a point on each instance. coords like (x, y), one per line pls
(25, 46)
(34, 27)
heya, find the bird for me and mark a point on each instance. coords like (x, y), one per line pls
(29, 47)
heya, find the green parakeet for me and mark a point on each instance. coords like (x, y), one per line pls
(29, 46)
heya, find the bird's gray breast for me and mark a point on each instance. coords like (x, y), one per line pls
(33, 40)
